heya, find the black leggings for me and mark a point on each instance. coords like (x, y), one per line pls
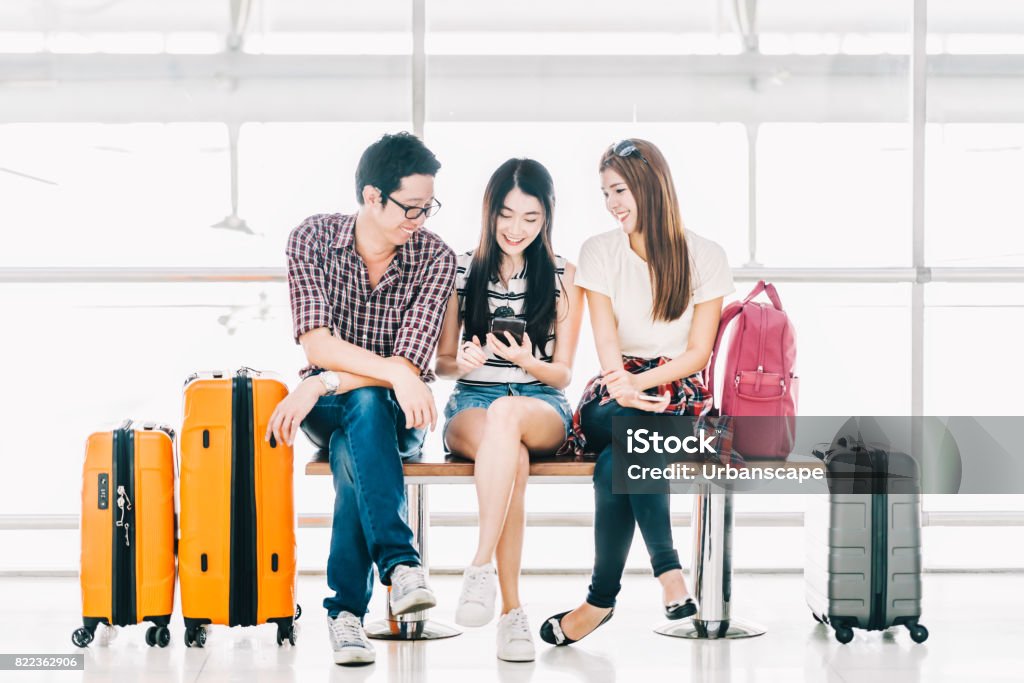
(617, 515)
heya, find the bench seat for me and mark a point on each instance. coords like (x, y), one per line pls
(453, 467)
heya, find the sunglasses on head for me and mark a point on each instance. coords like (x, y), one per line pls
(626, 148)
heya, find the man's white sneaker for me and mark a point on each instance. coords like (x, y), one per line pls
(349, 640)
(409, 591)
(515, 644)
(476, 602)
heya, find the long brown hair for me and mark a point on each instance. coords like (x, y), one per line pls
(533, 179)
(659, 223)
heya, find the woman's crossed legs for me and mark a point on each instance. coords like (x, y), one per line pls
(501, 439)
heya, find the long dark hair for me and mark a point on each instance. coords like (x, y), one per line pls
(533, 179)
(659, 222)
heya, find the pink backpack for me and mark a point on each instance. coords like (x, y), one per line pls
(759, 377)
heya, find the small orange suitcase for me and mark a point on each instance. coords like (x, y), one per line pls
(128, 527)
(237, 549)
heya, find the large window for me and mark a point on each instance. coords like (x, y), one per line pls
(181, 139)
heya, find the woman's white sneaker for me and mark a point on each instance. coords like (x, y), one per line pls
(349, 641)
(515, 644)
(476, 602)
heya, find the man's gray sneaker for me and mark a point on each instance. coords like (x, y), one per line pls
(349, 640)
(409, 591)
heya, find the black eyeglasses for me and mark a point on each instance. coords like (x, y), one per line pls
(626, 148)
(414, 212)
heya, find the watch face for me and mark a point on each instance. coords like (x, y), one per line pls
(330, 381)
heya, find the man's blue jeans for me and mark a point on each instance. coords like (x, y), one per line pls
(364, 432)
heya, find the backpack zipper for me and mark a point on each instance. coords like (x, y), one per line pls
(760, 348)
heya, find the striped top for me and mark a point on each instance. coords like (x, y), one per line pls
(497, 370)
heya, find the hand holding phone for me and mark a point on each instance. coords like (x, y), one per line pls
(514, 326)
(644, 396)
(650, 403)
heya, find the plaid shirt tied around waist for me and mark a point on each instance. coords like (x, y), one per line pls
(688, 396)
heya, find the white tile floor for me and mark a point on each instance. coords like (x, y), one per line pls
(974, 620)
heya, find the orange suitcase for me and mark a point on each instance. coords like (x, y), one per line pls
(237, 547)
(127, 527)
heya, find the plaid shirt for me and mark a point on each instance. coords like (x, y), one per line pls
(688, 396)
(329, 286)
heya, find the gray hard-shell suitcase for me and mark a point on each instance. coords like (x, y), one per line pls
(863, 542)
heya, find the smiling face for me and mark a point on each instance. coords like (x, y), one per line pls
(519, 222)
(395, 228)
(619, 200)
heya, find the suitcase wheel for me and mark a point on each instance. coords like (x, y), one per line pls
(81, 637)
(298, 611)
(844, 634)
(918, 633)
(289, 633)
(158, 635)
(195, 636)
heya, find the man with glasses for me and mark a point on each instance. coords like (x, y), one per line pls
(368, 294)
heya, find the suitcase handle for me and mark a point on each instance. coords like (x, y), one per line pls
(166, 429)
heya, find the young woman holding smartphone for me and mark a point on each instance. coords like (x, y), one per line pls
(508, 402)
(654, 291)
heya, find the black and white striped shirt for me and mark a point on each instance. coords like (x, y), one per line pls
(497, 370)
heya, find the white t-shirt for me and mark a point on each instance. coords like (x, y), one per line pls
(608, 266)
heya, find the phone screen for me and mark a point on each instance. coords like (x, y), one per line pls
(515, 326)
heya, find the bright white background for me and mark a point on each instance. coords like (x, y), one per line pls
(100, 166)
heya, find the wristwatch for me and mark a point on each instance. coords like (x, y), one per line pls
(330, 380)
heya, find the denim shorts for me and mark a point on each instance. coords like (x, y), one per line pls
(471, 396)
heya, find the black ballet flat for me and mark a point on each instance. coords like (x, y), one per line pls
(551, 629)
(681, 610)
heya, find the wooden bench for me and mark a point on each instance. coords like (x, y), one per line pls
(426, 469)
(423, 470)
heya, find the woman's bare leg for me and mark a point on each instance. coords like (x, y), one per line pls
(509, 553)
(512, 423)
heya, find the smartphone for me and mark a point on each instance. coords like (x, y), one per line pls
(515, 326)
(653, 398)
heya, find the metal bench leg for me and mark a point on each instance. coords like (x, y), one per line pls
(416, 625)
(712, 573)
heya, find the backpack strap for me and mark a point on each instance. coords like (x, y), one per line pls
(730, 312)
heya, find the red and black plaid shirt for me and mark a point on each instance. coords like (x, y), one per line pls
(329, 286)
(688, 396)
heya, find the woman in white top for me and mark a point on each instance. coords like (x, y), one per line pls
(655, 297)
(508, 402)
